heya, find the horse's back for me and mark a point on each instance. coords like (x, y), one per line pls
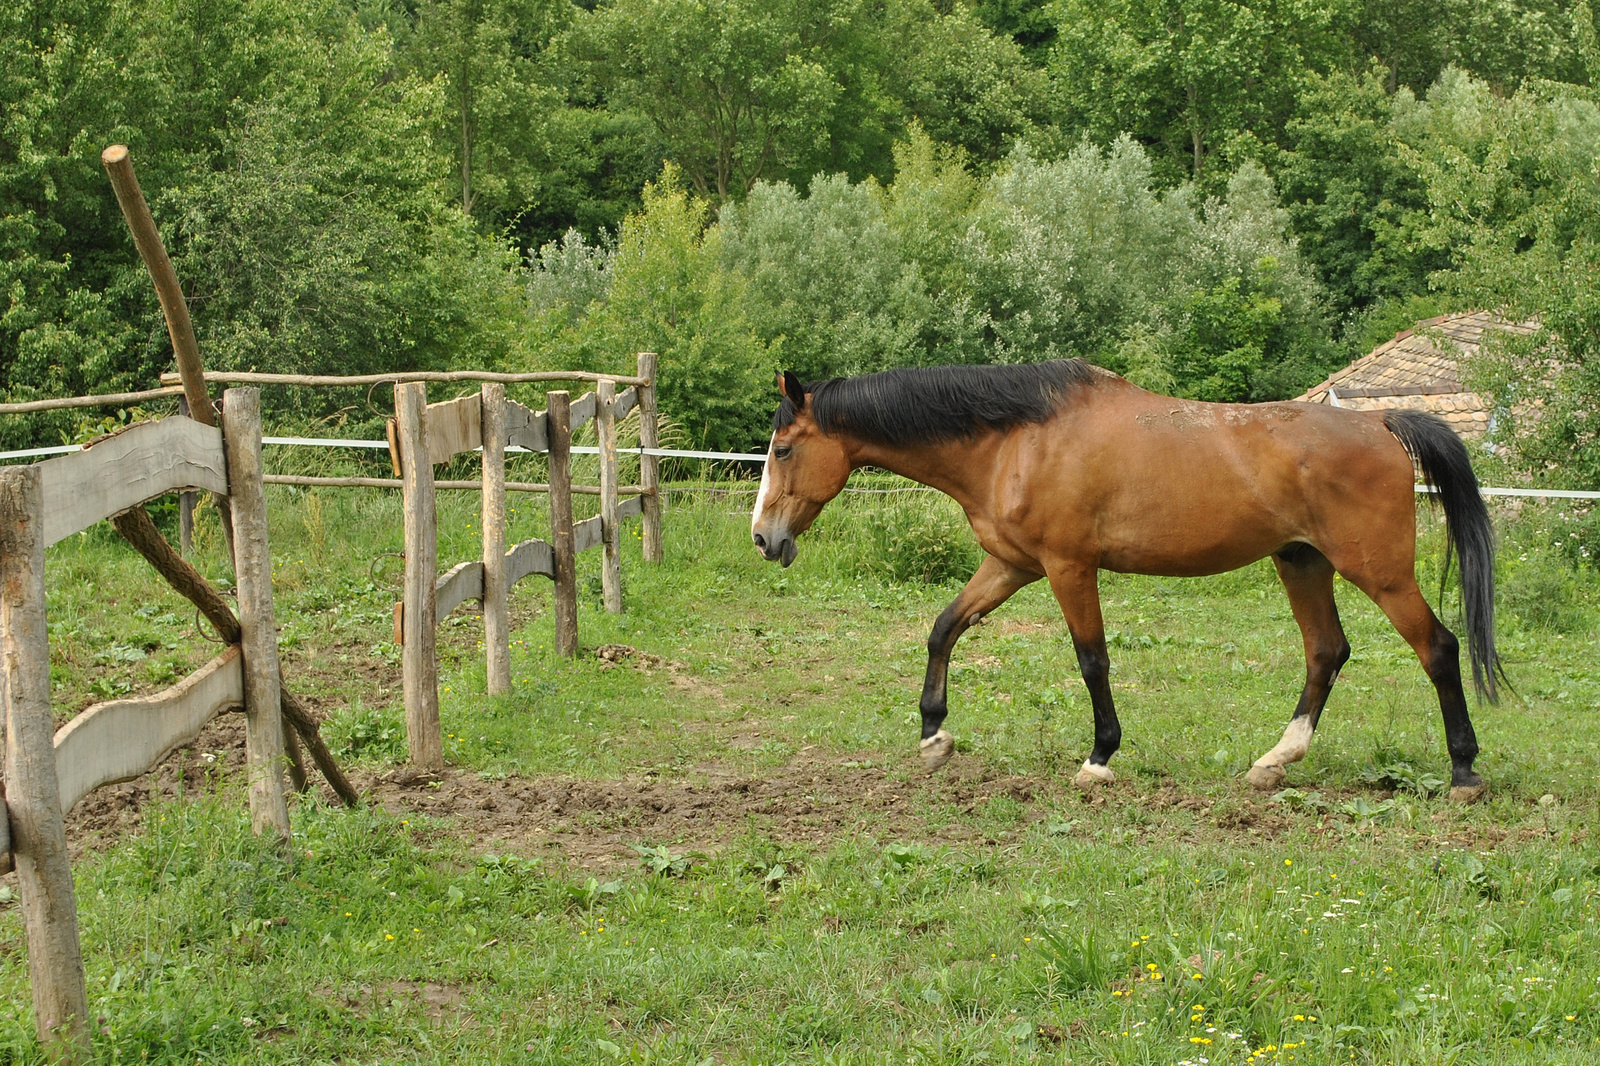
(1154, 484)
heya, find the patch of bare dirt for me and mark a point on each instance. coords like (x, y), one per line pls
(815, 800)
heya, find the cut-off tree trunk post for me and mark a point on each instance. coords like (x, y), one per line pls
(605, 424)
(419, 669)
(496, 612)
(649, 470)
(252, 569)
(559, 405)
(33, 794)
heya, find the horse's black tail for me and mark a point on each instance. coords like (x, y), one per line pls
(1447, 470)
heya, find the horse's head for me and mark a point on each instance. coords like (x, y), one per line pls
(805, 469)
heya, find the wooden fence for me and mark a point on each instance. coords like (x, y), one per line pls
(47, 771)
(424, 435)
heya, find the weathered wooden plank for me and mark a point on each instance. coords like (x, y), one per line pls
(258, 640)
(581, 410)
(586, 534)
(419, 670)
(119, 740)
(610, 532)
(626, 401)
(649, 475)
(526, 428)
(529, 557)
(138, 464)
(454, 426)
(38, 837)
(496, 614)
(462, 582)
(632, 507)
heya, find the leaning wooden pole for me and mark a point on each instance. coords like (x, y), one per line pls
(496, 611)
(605, 424)
(137, 528)
(252, 568)
(174, 308)
(559, 434)
(33, 795)
(419, 670)
(649, 465)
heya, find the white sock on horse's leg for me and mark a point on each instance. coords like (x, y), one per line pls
(1092, 775)
(937, 749)
(1268, 771)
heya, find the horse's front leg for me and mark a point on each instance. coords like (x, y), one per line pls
(1077, 589)
(991, 586)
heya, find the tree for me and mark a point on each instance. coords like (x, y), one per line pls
(487, 55)
(1358, 204)
(1187, 76)
(736, 88)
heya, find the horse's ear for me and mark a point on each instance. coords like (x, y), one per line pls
(792, 388)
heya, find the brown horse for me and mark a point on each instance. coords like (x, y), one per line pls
(1065, 469)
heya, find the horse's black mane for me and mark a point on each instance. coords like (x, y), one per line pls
(941, 403)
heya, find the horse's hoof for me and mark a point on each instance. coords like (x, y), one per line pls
(937, 749)
(1267, 778)
(1094, 776)
(1465, 794)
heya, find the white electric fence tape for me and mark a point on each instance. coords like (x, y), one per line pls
(746, 457)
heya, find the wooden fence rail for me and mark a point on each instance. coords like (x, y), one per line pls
(422, 436)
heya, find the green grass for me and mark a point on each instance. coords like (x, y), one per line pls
(1346, 921)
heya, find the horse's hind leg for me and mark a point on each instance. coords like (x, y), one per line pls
(1308, 578)
(1440, 653)
(992, 585)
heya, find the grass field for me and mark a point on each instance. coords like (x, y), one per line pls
(714, 843)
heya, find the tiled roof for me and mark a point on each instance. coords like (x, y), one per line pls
(1420, 369)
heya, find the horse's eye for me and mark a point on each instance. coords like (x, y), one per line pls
(782, 451)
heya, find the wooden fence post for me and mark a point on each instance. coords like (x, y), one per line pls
(496, 613)
(419, 670)
(649, 473)
(605, 424)
(559, 404)
(252, 570)
(33, 794)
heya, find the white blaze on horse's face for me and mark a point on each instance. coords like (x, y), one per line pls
(773, 536)
(761, 493)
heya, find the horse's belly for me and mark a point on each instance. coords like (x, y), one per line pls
(1191, 544)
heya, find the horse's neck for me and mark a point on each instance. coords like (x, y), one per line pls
(959, 469)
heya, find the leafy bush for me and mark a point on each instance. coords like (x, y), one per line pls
(916, 538)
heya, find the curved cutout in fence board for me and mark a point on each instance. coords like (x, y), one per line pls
(530, 557)
(454, 426)
(462, 582)
(632, 507)
(122, 739)
(626, 401)
(526, 428)
(585, 534)
(581, 410)
(138, 464)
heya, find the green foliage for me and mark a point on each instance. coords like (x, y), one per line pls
(734, 87)
(668, 292)
(1513, 188)
(1357, 205)
(915, 537)
(1189, 76)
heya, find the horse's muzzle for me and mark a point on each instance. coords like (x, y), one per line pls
(778, 547)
